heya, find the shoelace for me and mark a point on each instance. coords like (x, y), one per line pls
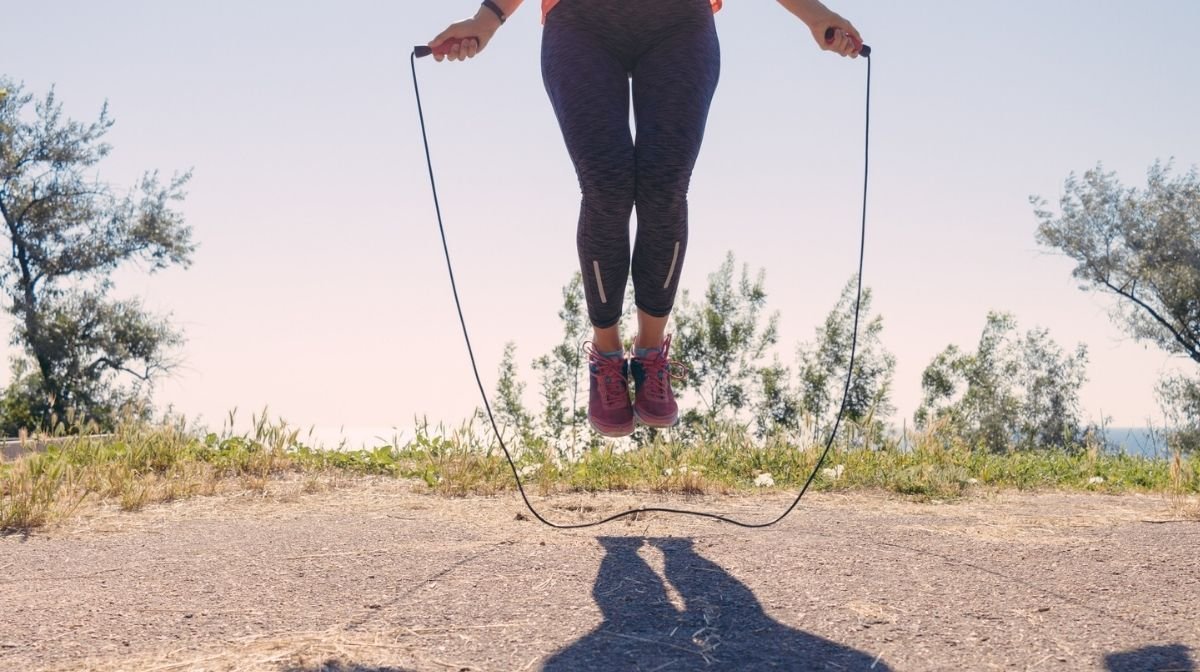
(658, 371)
(610, 375)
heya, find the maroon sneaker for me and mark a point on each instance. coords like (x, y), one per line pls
(609, 410)
(655, 402)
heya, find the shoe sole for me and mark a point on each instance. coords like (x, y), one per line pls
(612, 432)
(657, 423)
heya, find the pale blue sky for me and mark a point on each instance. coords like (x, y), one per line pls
(319, 286)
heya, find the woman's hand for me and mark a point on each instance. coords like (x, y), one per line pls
(474, 33)
(846, 40)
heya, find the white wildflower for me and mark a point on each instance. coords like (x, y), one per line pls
(764, 481)
(529, 470)
(973, 481)
(833, 473)
(668, 472)
(1095, 480)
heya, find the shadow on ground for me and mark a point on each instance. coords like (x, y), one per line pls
(721, 627)
(1170, 658)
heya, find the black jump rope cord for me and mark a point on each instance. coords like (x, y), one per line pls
(421, 51)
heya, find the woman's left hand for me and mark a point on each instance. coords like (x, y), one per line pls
(846, 40)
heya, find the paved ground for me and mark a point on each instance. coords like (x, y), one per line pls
(371, 576)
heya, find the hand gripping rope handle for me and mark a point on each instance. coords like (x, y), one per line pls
(865, 51)
(442, 49)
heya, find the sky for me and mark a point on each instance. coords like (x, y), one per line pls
(319, 290)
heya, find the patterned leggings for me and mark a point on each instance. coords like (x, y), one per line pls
(591, 50)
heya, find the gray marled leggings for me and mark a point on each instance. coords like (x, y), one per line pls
(590, 51)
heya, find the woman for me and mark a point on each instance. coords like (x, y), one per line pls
(591, 49)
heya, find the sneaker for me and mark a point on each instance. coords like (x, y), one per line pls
(609, 410)
(655, 402)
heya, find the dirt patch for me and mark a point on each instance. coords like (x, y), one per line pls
(369, 575)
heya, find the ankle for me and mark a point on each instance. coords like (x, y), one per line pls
(607, 340)
(645, 347)
(643, 353)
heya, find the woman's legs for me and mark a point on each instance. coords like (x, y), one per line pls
(673, 85)
(588, 86)
(589, 51)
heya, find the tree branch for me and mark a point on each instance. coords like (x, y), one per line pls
(1179, 338)
(116, 366)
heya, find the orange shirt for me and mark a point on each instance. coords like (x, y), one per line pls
(547, 5)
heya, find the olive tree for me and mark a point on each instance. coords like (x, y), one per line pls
(68, 232)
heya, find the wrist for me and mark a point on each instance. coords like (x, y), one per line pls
(489, 21)
(811, 12)
(491, 14)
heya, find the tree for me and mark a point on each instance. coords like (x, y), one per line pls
(1142, 246)
(23, 404)
(69, 232)
(1179, 397)
(823, 364)
(777, 410)
(721, 341)
(1013, 392)
(560, 368)
(507, 405)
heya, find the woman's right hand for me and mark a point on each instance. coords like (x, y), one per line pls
(846, 40)
(474, 34)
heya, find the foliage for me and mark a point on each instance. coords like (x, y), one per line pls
(24, 403)
(68, 233)
(1014, 391)
(508, 406)
(823, 364)
(1142, 246)
(777, 410)
(1179, 397)
(560, 368)
(722, 341)
(144, 463)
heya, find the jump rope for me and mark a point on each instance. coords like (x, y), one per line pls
(444, 48)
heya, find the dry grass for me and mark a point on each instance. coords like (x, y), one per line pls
(1186, 508)
(318, 651)
(141, 465)
(1183, 505)
(135, 467)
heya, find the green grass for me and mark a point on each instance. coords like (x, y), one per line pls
(143, 464)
